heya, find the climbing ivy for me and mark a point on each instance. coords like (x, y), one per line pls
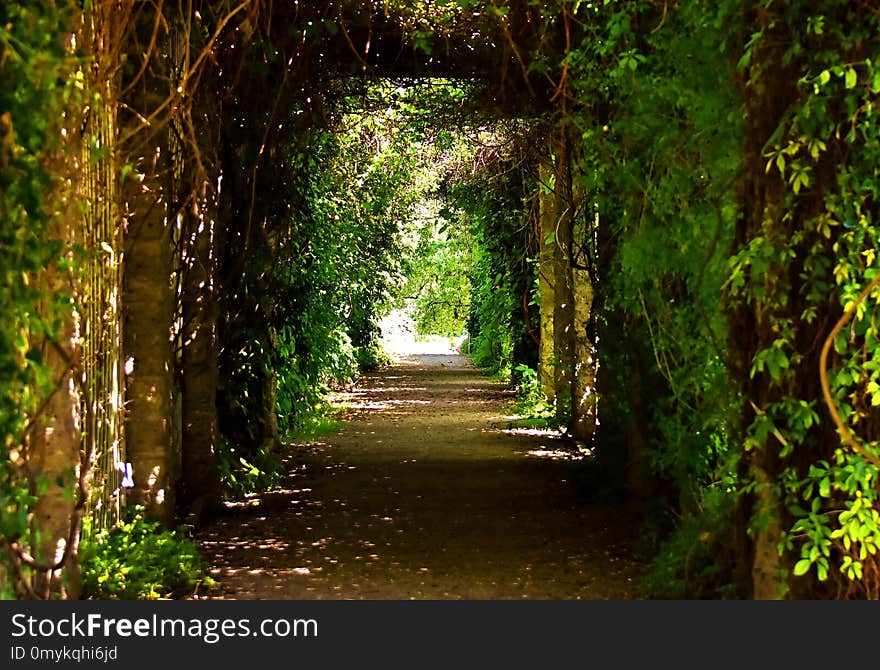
(816, 234)
(32, 89)
(503, 315)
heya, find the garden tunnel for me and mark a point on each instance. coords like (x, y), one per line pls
(272, 128)
(691, 188)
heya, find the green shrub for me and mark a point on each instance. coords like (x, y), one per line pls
(140, 560)
(530, 400)
(490, 349)
(372, 357)
(241, 476)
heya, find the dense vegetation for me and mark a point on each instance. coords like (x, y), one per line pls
(660, 220)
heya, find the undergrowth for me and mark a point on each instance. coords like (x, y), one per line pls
(320, 422)
(240, 475)
(698, 559)
(530, 405)
(140, 560)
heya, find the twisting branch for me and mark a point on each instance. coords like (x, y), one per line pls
(845, 433)
(70, 366)
(775, 431)
(561, 88)
(519, 58)
(147, 121)
(348, 41)
(148, 53)
(663, 18)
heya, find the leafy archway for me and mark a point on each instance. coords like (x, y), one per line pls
(686, 254)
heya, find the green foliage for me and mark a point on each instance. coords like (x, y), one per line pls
(658, 157)
(821, 156)
(32, 90)
(530, 402)
(361, 177)
(660, 120)
(730, 152)
(140, 560)
(242, 475)
(490, 323)
(319, 423)
(372, 356)
(495, 205)
(528, 389)
(438, 282)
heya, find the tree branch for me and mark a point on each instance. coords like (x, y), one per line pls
(845, 433)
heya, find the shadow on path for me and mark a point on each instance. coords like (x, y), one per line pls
(423, 494)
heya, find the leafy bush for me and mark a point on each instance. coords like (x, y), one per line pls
(240, 475)
(140, 560)
(490, 352)
(372, 357)
(323, 421)
(530, 400)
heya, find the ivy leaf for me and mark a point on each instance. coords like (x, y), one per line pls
(851, 78)
(874, 391)
(802, 567)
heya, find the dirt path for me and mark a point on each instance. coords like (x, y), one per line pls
(422, 494)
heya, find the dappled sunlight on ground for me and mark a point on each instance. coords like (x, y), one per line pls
(426, 491)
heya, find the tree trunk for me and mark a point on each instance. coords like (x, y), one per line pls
(584, 409)
(768, 569)
(199, 490)
(53, 458)
(583, 382)
(771, 297)
(151, 318)
(148, 301)
(53, 450)
(200, 481)
(564, 309)
(546, 286)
